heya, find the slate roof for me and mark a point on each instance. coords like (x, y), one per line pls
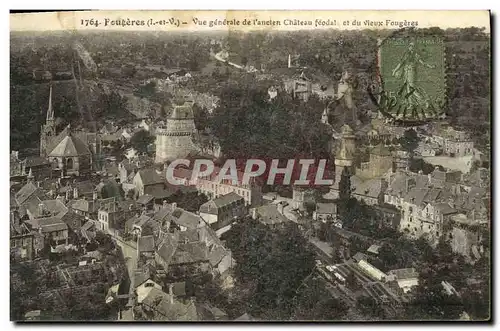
(149, 176)
(146, 244)
(53, 207)
(169, 309)
(27, 191)
(190, 253)
(213, 206)
(185, 218)
(326, 208)
(145, 199)
(87, 206)
(70, 146)
(167, 248)
(35, 161)
(404, 273)
(371, 188)
(140, 276)
(445, 208)
(178, 288)
(270, 215)
(48, 224)
(380, 150)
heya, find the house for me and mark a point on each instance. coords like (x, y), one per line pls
(423, 213)
(37, 209)
(39, 166)
(113, 214)
(370, 191)
(143, 285)
(146, 246)
(457, 143)
(148, 181)
(88, 231)
(28, 191)
(325, 211)
(373, 249)
(269, 215)
(160, 306)
(146, 202)
(406, 278)
(223, 210)
(51, 228)
(185, 220)
(129, 167)
(22, 240)
(213, 188)
(193, 250)
(300, 87)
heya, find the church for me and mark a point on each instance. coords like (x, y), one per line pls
(71, 152)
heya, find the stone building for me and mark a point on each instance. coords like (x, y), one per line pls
(175, 140)
(380, 162)
(71, 152)
(300, 88)
(71, 156)
(344, 158)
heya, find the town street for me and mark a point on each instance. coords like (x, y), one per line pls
(130, 256)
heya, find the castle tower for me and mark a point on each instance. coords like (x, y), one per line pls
(344, 155)
(174, 141)
(48, 131)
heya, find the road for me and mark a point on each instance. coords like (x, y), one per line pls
(130, 256)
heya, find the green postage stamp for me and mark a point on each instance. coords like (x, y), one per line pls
(412, 71)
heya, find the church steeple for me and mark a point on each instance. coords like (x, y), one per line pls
(50, 110)
(48, 131)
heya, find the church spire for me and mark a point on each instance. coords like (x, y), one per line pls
(50, 111)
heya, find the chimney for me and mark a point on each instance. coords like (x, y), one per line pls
(254, 213)
(174, 205)
(40, 209)
(75, 193)
(171, 292)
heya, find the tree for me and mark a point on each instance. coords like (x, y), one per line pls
(409, 141)
(315, 303)
(431, 302)
(370, 307)
(271, 265)
(417, 165)
(141, 140)
(190, 201)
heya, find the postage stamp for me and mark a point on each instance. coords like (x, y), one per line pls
(412, 71)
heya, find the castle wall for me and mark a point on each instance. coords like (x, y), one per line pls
(171, 146)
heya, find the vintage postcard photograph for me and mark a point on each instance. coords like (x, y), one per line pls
(250, 166)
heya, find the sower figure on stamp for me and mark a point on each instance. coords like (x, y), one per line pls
(406, 71)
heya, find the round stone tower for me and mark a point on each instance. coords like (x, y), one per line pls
(346, 148)
(174, 141)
